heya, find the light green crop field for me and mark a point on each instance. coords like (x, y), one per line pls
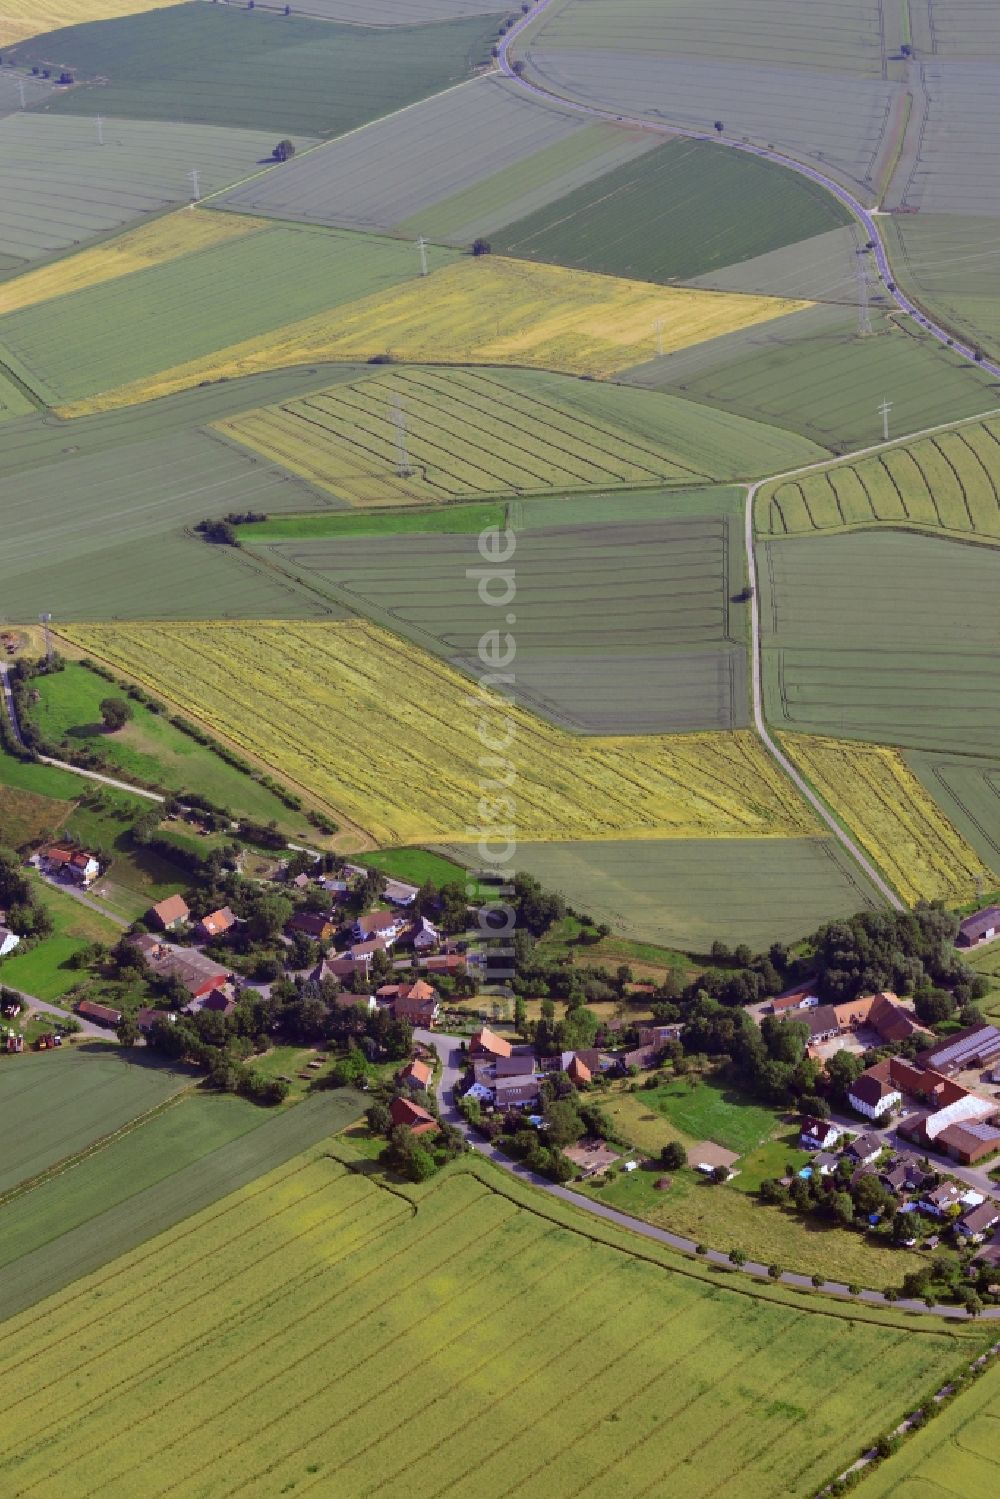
(54, 1104)
(256, 69)
(84, 342)
(455, 519)
(955, 1454)
(687, 894)
(948, 483)
(153, 1176)
(198, 1409)
(686, 208)
(62, 186)
(482, 431)
(813, 374)
(46, 971)
(149, 747)
(948, 262)
(848, 650)
(967, 790)
(414, 864)
(674, 660)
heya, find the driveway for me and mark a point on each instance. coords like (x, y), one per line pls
(87, 1027)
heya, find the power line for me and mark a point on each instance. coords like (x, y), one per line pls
(20, 85)
(100, 131)
(422, 247)
(885, 408)
(45, 620)
(196, 192)
(864, 311)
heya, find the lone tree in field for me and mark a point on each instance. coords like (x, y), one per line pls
(115, 712)
(481, 247)
(720, 126)
(284, 150)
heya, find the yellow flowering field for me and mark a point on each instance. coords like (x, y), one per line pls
(487, 310)
(892, 816)
(389, 736)
(168, 238)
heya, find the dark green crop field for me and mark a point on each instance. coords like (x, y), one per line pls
(681, 210)
(967, 789)
(218, 65)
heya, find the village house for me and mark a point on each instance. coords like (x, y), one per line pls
(346, 1000)
(399, 893)
(425, 935)
(515, 1092)
(416, 1074)
(825, 1162)
(578, 1072)
(518, 1064)
(658, 1035)
(404, 1112)
(215, 924)
(982, 926)
(168, 914)
(874, 1093)
(818, 1134)
(147, 1017)
(417, 1003)
(905, 1174)
(969, 1143)
(74, 864)
(385, 926)
(976, 1046)
(941, 1201)
(486, 1043)
(100, 1014)
(976, 1222)
(341, 967)
(312, 924)
(799, 998)
(864, 1149)
(451, 963)
(198, 973)
(221, 1001)
(8, 941)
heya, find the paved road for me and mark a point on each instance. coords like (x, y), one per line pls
(865, 216)
(87, 1027)
(85, 900)
(449, 1048)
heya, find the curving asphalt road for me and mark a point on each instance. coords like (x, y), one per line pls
(865, 216)
(449, 1049)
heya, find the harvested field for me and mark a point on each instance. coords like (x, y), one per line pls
(23, 18)
(687, 894)
(407, 761)
(968, 792)
(225, 65)
(948, 483)
(402, 166)
(174, 1165)
(474, 311)
(955, 1454)
(847, 648)
(52, 1107)
(673, 661)
(471, 432)
(878, 797)
(236, 1417)
(168, 238)
(242, 288)
(61, 187)
(813, 374)
(678, 211)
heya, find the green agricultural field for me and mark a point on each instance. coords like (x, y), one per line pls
(812, 373)
(820, 269)
(947, 483)
(148, 748)
(394, 12)
(483, 148)
(62, 187)
(222, 66)
(455, 520)
(676, 212)
(55, 1104)
(619, 1412)
(968, 792)
(482, 431)
(947, 261)
(954, 1454)
(675, 660)
(848, 650)
(194, 305)
(686, 894)
(172, 1166)
(47, 971)
(414, 865)
(13, 401)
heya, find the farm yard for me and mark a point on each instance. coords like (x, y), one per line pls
(61, 186)
(474, 311)
(447, 151)
(242, 288)
(882, 802)
(675, 661)
(687, 893)
(846, 647)
(674, 213)
(813, 374)
(407, 770)
(267, 1422)
(256, 69)
(945, 483)
(494, 431)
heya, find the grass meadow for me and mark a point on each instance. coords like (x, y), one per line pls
(406, 767)
(948, 484)
(321, 526)
(414, 865)
(486, 431)
(47, 971)
(627, 1390)
(484, 310)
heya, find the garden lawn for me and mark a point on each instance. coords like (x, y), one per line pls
(706, 1109)
(46, 971)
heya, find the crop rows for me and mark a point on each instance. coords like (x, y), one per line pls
(968, 791)
(268, 1353)
(886, 807)
(389, 736)
(466, 433)
(949, 482)
(474, 311)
